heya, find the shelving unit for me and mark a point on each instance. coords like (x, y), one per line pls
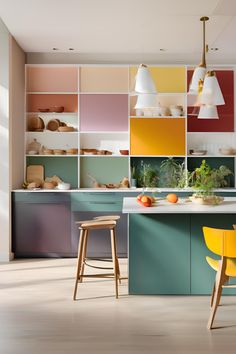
(99, 103)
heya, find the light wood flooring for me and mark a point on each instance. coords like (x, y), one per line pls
(37, 315)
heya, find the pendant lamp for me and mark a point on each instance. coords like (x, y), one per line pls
(204, 88)
(200, 70)
(144, 82)
(148, 101)
(208, 112)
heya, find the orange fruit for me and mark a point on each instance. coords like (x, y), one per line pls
(172, 198)
(146, 200)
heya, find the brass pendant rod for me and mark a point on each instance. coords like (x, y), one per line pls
(203, 62)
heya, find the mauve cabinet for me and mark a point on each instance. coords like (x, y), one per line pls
(41, 225)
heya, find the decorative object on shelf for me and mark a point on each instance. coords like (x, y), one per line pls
(165, 111)
(57, 109)
(227, 151)
(35, 124)
(44, 110)
(196, 152)
(176, 111)
(46, 151)
(66, 129)
(48, 185)
(59, 152)
(33, 147)
(204, 179)
(63, 186)
(72, 151)
(35, 173)
(173, 173)
(54, 179)
(205, 86)
(124, 152)
(122, 184)
(133, 177)
(53, 125)
(95, 152)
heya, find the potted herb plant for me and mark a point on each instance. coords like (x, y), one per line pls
(133, 177)
(204, 180)
(147, 176)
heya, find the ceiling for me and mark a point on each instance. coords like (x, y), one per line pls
(124, 28)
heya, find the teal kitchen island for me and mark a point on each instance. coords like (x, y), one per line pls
(167, 252)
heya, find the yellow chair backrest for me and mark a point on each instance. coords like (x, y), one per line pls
(221, 242)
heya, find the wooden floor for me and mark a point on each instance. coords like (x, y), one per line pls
(37, 315)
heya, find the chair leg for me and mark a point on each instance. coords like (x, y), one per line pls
(114, 259)
(220, 280)
(84, 254)
(79, 262)
(213, 292)
(118, 269)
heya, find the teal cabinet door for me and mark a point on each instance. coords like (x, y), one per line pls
(202, 275)
(159, 254)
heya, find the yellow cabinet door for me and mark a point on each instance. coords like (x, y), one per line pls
(157, 136)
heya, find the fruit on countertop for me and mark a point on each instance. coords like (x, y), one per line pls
(172, 198)
(145, 200)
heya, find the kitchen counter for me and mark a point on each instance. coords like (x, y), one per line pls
(183, 206)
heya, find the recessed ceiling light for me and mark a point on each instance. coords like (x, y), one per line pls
(71, 49)
(163, 50)
(214, 49)
(55, 48)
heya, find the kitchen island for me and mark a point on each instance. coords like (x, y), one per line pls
(166, 245)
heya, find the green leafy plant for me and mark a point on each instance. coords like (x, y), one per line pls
(204, 179)
(173, 173)
(147, 176)
(133, 172)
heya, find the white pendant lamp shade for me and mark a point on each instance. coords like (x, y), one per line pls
(211, 92)
(198, 74)
(146, 101)
(208, 112)
(144, 82)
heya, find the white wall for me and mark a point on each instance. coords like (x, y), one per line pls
(11, 131)
(4, 146)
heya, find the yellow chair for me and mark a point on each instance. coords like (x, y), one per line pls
(222, 243)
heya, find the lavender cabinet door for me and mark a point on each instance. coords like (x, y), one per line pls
(42, 229)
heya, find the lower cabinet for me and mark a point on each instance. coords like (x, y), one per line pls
(159, 254)
(167, 253)
(43, 224)
(41, 230)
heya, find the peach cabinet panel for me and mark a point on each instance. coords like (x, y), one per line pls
(69, 102)
(104, 79)
(49, 79)
(167, 79)
(157, 136)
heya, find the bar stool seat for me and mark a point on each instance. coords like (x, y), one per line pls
(85, 227)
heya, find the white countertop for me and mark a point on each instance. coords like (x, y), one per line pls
(131, 206)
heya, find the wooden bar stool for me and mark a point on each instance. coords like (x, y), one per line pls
(85, 227)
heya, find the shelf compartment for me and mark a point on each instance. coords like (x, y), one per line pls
(52, 79)
(54, 140)
(160, 136)
(164, 100)
(104, 112)
(213, 162)
(65, 168)
(104, 79)
(71, 119)
(167, 79)
(36, 101)
(155, 163)
(103, 169)
(211, 142)
(225, 123)
(112, 142)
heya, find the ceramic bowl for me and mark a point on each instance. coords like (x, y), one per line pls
(63, 186)
(124, 152)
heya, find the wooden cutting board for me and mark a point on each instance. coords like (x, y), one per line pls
(35, 173)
